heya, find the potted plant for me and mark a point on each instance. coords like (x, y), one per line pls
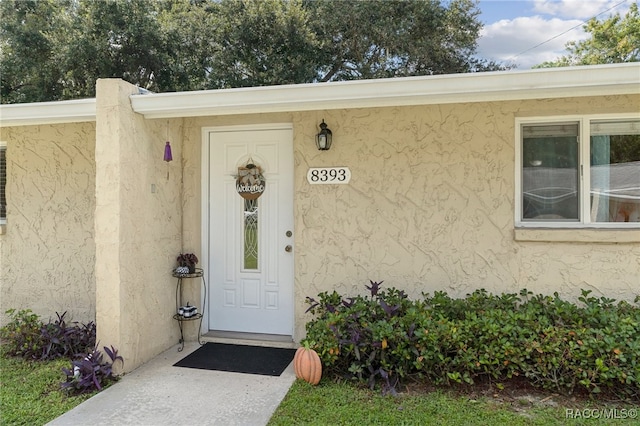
(187, 260)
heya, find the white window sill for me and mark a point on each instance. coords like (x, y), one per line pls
(578, 235)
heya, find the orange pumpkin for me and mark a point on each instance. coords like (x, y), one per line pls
(307, 365)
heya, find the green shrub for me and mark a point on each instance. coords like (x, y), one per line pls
(383, 337)
(21, 335)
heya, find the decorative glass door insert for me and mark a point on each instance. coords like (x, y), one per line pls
(251, 239)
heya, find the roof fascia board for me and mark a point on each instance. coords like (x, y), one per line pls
(616, 79)
(613, 79)
(38, 113)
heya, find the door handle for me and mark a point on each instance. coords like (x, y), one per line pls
(288, 248)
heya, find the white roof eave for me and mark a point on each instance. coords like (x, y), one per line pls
(617, 79)
(597, 80)
(37, 113)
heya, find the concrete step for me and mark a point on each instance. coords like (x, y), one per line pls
(250, 339)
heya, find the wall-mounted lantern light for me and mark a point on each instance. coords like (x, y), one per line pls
(323, 139)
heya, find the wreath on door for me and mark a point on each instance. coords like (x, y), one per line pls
(250, 182)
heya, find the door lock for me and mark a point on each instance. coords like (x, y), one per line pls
(289, 233)
(288, 249)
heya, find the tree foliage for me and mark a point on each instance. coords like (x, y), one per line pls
(396, 38)
(263, 43)
(56, 49)
(612, 40)
(30, 43)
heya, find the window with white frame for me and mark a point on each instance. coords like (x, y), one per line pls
(579, 171)
(3, 182)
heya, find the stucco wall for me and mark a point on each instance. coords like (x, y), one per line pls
(138, 226)
(430, 205)
(47, 252)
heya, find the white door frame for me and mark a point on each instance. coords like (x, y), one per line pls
(205, 194)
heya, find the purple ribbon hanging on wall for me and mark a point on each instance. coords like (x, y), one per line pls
(167, 152)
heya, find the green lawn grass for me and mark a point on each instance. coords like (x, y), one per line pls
(332, 403)
(30, 391)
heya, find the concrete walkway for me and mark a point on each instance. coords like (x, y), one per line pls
(157, 393)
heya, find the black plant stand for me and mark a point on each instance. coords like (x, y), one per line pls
(199, 273)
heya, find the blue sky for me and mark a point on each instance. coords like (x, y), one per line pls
(513, 28)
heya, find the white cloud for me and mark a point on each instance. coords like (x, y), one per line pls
(534, 39)
(579, 9)
(531, 40)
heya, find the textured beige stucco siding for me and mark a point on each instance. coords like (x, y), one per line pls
(138, 226)
(430, 205)
(47, 252)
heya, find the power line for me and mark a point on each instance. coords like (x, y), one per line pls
(570, 29)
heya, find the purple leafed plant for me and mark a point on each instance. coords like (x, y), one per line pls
(186, 259)
(28, 337)
(90, 373)
(65, 341)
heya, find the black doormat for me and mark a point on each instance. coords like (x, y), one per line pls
(239, 359)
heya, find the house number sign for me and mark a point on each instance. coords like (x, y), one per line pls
(329, 175)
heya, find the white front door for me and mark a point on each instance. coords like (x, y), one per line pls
(250, 244)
